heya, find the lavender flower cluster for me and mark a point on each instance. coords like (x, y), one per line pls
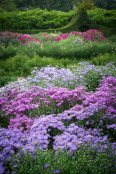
(22, 84)
(83, 123)
(48, 77)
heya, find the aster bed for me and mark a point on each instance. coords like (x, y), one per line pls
(63, 121)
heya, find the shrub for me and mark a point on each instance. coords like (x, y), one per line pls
(15, 65)
(103, 59)
(87, 4)
(5, 79)
(34, 19)
(99, 16)
(83, 20)
(112, 38)
(7, 52)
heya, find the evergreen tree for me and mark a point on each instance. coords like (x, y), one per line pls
(83, 20)
(87, 4)
(106, 4)
(7, 5)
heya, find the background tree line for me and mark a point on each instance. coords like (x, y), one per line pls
(59, 5)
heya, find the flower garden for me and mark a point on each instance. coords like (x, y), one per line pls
(65, 122)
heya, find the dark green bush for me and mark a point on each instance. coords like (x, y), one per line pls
(103, 59)
(7, 52)
(15, 65)
(103, 17)
(34, 19)
(83, 20)
(5, 79)
(43, 19)
(112, 38)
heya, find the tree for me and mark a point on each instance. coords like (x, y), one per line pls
(87, 4)
(7, 5)
(83, 20)
(106, 4)
(24, 3)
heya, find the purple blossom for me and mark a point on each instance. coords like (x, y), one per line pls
(57, 171)
(46, 166)
(2, 169)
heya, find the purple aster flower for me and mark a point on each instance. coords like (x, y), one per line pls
(46, 166)
(57, 171)
(15, 165)
(2, 169)
(87, 123)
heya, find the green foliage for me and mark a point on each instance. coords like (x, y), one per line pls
(112, 38)
(20, 59)
(103, 17)
(68, 49)
(7, 52)
(34, 19)
(7, 5)
(76, 163)
(5, 79)
(65, 5)
(2, 10)
(4, 121)
(6, 40)
(93, 77)
(15, 65)
(92, 80)
(22, 65)
(87, 4)
(103, 59)
(106, 4)
(83, 20)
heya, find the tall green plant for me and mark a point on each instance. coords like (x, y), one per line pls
(7, 5)
(83, 20)
(87, 4)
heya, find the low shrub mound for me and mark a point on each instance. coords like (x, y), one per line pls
(34, 19)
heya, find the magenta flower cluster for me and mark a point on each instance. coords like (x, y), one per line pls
(92, 34)
(18, 106)
(62, 96)
(23, 38)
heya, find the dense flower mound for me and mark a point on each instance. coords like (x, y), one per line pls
(74, 136)
(48, 77)
(40, 131)
(91, 120)
(51, 76)
(10, 142)
(15, 37)
(24, 105)
(12, 37)
(90, 35)
(21, 84)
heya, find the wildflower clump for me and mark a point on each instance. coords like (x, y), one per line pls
(8, 37)
(86, 35)
(90, 35)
